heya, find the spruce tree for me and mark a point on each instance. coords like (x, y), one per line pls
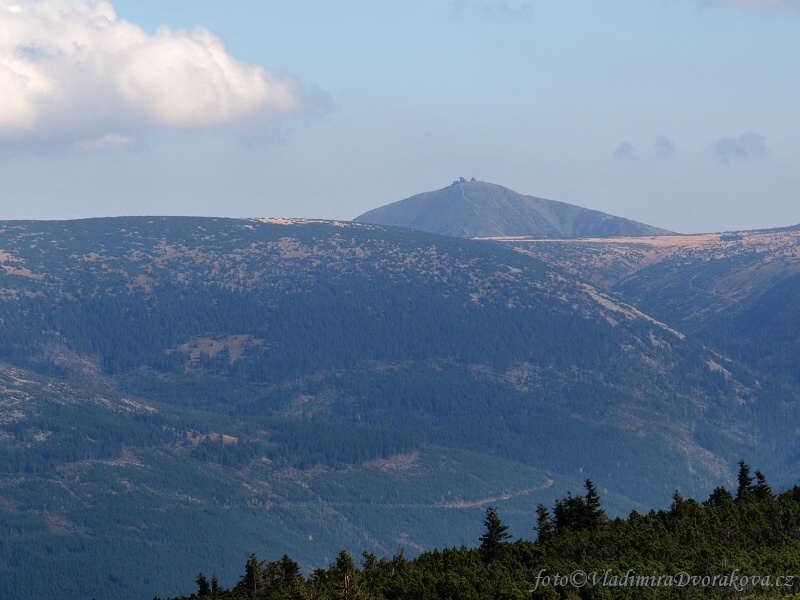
(570, 513)
(719, 497)
(494, 536)
(252, 581)
(203, 587)
(761, 490)
(744, 491)
(595, 516)
(544, 524)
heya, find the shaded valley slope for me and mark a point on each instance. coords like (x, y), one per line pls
(176, 390)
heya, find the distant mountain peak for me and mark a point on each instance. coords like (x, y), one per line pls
(474, 208)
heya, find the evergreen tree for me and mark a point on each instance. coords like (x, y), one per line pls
(745, 482)
(283, 580)
(252, 580)
(544, 524)
(288, 569)
(761, 490)
(203, 587)
(692, 538)
(494, 535)
(719, 497)
(345, 577)
(677, 503)
(595, 515)
(570, 513)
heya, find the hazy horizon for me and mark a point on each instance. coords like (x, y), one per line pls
(680, 114)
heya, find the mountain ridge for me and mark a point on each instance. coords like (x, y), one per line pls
(196, 386)
(476, 209)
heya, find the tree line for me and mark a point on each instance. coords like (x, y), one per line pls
(738, 545)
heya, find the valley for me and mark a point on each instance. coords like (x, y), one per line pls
(210, 387)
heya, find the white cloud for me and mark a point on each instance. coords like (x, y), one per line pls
(111, 141)
(71, 70)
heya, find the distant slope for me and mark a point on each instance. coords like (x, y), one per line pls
(737, 291)
(473, 209)
(172, 389)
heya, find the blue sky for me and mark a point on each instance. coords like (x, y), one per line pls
(683, 114)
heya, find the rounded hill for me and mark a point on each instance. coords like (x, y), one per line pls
(473, 209)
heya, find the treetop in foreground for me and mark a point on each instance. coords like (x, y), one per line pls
(724, 547)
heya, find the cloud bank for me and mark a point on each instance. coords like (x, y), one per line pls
(72, 73)
(493, 7)
(755, 3)
(664, 146)
(746, 146)
(625, 151)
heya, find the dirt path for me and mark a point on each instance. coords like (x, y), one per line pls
(489, 500)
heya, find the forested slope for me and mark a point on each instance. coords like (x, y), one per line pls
(740, 545)
(179, 389)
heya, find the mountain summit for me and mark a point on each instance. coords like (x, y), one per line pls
(473, 208)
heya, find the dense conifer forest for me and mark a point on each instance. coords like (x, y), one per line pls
(737, 544)
(176, 393)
